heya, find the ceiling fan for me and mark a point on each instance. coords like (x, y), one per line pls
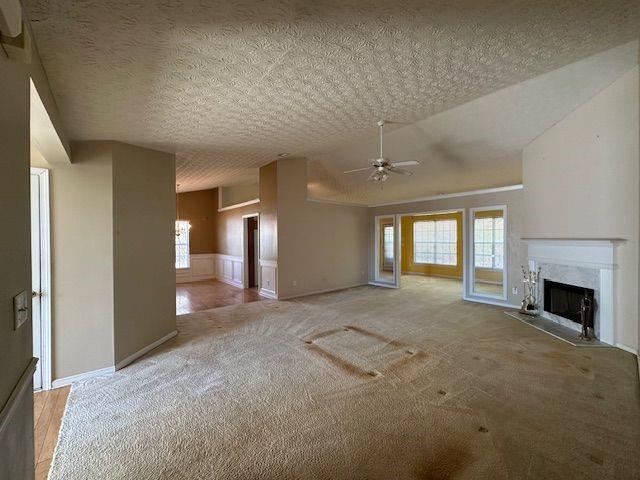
(382, 167)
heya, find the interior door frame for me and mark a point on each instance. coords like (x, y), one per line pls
(470, 292)
(245, 246)
(464, 239)
(45, 275)
(396, 250)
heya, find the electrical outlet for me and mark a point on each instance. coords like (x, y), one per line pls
(294, 283)
(514, 290)
(20, 309)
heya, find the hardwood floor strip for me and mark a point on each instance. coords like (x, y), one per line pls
(51, 438)
(44, 421)
(42, 470)
(48, 409)
(39, 399)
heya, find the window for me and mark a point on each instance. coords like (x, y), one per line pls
(489, 242)
(182, 244)
(388, 243)
(435, 242)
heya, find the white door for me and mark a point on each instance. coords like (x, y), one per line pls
(35, 278)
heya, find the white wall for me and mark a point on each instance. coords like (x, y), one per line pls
(581, 181)
(320, 246)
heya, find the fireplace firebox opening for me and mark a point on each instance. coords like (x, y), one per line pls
(566, 301)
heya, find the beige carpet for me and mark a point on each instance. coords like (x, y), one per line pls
(367, 383)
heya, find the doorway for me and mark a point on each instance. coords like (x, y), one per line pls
(251, 251)
(432, 250)
(488, 253)
(41, 277)
(386, 251)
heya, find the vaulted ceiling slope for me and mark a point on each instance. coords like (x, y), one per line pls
(229, 84)
(472, 146)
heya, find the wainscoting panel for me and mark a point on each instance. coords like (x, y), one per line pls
(269, 278)
(207, 266)
(202, 268)
(229, 269)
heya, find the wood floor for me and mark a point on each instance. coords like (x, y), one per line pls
(197, 296)
(48, 409)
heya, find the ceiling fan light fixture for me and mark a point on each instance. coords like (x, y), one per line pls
(382, 167)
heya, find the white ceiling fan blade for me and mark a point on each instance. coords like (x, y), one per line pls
(401, 171)
(407, 163)
(358, 170)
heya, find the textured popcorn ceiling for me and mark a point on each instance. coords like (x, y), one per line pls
(228, 85)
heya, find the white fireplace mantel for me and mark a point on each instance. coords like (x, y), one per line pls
(594, 253)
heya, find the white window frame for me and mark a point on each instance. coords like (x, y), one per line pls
(471, 294)
(183, 225)
(493, 243)
(435, 243)
(384, 242)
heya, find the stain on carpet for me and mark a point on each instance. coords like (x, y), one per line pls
(362, 352)
(444, 463)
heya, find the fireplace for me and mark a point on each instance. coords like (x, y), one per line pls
(566, 300)
(589, 263)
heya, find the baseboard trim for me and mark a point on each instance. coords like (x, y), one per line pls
(9, 408)
(230, 281)
(268, 294)
(380, 284)
(132, 358)
(489, 301)
(319, 292)
(63, 382)
(626, 348)
(419, 274)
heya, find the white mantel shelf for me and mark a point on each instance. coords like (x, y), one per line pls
(575, 241)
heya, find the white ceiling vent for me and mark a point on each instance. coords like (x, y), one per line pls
(10, 18)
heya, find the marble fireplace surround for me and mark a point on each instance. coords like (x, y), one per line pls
(583, 262)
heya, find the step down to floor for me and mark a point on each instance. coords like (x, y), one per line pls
(559, 331)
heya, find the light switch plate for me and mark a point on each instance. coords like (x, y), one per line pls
(20, 309)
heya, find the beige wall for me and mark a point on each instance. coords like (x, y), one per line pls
(236, 194)
(581, 179)
(229, 229)
(200, 208)
(143, 247)
(16, 443)
(113, 277)
(41, 82)
(516, 250)
(269, 212)
(320, 246)
(82, 260)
